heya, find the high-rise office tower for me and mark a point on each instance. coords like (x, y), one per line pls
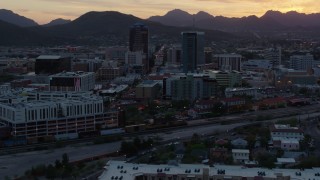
(139, 40)
(192, 50)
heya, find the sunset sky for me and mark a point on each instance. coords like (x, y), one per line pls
(43, 11)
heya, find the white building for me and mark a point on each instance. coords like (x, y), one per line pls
(72, 81)
(301, 62)
(290, 144)
(57, 116)
(130, 171)
(280, 132)
(229, 62)
(230, 92)
(240, 155)
(256, 65)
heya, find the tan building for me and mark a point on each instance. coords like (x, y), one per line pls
(148, 90)
(109, 73)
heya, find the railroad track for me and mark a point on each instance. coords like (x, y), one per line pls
(217, 120)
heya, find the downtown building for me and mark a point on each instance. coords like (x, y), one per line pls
(301, 62)
(57, 115)
(131, 171)
(174, 54)
(228, 62)
(72, 81)
(192, 51)
(189, 87)
(50, 64)
(274, 56)
(139, 42)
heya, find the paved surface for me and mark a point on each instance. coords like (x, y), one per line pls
(17, 164)
(206, 130)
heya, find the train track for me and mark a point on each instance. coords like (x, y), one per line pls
(204, 122)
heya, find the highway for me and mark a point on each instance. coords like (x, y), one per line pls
(17, 164)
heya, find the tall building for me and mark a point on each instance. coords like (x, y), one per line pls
(229, 62)
(207, 55)
(192, 50)
(174, 54)
(301, 62)
(139, 41)
(274, 56)
(48, 64)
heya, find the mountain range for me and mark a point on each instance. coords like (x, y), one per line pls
(270, 21)
(16, 19)
(93, 28)
(111, 27)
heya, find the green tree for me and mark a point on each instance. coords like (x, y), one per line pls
(51, 172)
(266, 160)
(58, 164)
(65, 159)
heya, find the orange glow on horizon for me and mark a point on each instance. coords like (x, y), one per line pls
(43, 11)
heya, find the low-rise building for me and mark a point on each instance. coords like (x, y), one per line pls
(148, 90)
(250, 92)
(72, 81)
(290, 144)
(225, 78)
(57, 116)
(132, 171)
(239, 143)
(109, 73)
(240, 155)
(279, 131)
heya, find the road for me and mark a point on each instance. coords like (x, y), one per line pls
(17, 164)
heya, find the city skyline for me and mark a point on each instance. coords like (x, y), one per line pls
(43, 11)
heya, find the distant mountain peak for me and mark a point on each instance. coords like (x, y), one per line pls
(177, 12)
(203, 15)
(13, 18)
(58, 21)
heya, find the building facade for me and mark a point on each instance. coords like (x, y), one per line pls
(52, 116)
(139, 41)
(192, 50)
(301, 62)
(48, 64)
(229, 62)
(72, 81)
(190, 87)
(274, 56)
(174, 54)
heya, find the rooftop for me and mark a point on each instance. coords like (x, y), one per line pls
(240, 151)
(128, 171)
(49, 57)
(148, 83)
(72, 74)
